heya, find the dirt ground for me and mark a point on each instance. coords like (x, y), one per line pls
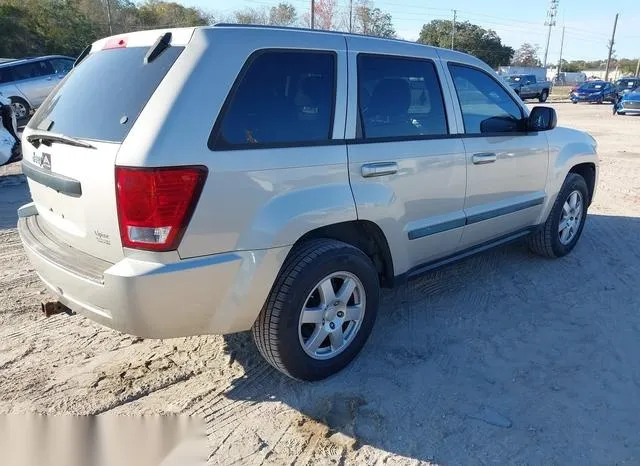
(505, 358)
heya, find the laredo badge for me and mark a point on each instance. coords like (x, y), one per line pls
(43, 160)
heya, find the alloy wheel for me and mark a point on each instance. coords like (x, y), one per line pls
(332, 315)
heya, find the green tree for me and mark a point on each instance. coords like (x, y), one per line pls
(158, 14)
(372, 21)
(283, 14)
(18, 36)
(526, 55)
(469, 38)
(251, 16)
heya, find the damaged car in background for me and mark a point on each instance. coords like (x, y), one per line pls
(9, 141)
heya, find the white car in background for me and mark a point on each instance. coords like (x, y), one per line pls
(27, 82)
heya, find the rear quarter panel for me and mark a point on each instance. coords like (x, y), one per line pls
(9, 90)
(256, 198)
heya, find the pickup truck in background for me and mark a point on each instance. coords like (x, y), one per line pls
(528, 87)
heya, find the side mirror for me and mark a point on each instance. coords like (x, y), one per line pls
(542, 119)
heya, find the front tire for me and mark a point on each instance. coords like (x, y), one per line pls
(320, 311)
(543, 97)
(563, 228)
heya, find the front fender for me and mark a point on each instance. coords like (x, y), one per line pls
(567, 148)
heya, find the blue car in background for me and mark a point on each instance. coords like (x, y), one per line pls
(594, 91)
(629, 102)
(624, 85)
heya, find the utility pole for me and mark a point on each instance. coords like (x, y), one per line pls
(313, 14)
(109, 17)
(350, 15)
(637, 68)
(551, 21)
(611, 42)
(561, 47)
(453, 28)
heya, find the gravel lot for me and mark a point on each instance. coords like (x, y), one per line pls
(504, 358)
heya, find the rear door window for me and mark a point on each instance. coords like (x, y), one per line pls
(32, 70)
(486, 106)
(283, 98)
(6, 75)
(399, 97)
(61, 65)
(103, 96)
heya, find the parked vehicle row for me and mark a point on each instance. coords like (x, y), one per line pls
(28, 82)
(274, 179)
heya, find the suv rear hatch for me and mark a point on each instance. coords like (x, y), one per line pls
(71, 143)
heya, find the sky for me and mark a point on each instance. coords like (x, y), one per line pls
(588, 23)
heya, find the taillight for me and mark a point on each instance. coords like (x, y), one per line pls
(156, 204)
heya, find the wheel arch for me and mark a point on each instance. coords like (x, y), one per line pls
(588, 171)
(364, 235)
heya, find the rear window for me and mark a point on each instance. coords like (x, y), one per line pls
(103, 96)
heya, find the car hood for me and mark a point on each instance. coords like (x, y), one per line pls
(633, 95)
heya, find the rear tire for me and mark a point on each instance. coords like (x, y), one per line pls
(21, 108)
(543, 97)
(549, 241)
(284, 338)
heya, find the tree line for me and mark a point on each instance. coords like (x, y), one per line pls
(527, 55)
(39, 27)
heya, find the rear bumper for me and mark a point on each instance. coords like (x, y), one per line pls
(216, 294)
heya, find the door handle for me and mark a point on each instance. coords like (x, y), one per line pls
(379, 169)
(482, 158)
(49, 78)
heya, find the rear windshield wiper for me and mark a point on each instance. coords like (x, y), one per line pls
(39, 137)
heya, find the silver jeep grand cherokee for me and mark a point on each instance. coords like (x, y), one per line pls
(227, 178)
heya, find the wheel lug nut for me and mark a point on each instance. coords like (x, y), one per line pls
(332, 325)
(340, 314)
(335, 303)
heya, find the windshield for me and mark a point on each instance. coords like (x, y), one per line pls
(103, 96)
(513, 79)
(627, 83)
(591, 86)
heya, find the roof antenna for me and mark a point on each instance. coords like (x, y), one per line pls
(156, 49)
